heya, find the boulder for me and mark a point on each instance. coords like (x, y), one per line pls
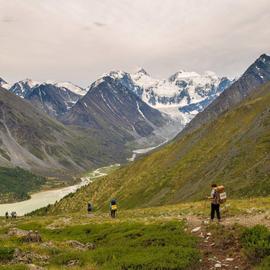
(17, 232)
(33, 237)
(196, 229)
(78, 245)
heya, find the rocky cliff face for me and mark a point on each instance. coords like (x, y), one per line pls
(55, 101)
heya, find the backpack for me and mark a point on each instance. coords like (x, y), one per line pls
(114, 207)
(222, 194)
(89, 207)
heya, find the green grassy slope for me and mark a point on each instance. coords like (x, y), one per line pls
(232, 150)
(15, 183)
(117, 245)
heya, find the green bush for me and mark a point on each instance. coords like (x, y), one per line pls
(6, 254)
(16, 183)
(256, 242)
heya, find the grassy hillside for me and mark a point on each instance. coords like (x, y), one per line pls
(16, 183)
(113, 245)
(233, 150)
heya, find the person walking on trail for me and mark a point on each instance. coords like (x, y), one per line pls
(13, 215)
(215, 203)
(7, 216)
(89, 208)
(113, 208)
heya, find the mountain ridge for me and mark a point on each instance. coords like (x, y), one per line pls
(239, 90)
(34, 141)
(182, 95)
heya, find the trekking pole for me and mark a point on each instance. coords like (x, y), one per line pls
(206, 203)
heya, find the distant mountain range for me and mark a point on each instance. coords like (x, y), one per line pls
(105, 132)
(114, 115)
(181, 96)
(227, 143)
(139, 110)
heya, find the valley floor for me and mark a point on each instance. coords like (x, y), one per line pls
(167, 237)
(50, 195)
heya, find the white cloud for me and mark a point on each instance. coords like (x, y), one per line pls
(78, 40)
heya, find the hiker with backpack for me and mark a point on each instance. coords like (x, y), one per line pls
(113, 208)
(89, 208)
(13, 215)
(218, 196)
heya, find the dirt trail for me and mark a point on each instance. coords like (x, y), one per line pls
(224, 252)
(244, 220)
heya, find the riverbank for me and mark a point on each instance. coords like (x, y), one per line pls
(43, 198)
(141, 151)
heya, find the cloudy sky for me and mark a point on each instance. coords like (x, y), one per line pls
(78, 40)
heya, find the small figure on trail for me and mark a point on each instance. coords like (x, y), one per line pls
(113, 208)
(89, 208)
(215, 203)
(7, 216)
(13, 215)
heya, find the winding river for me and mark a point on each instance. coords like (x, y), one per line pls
(43, 198)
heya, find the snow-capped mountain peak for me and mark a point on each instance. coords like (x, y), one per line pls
(141, 70)
(183, 94)
(4, 84)
(182, 74)
(30, 82)
(115, 74)
(71, 87)
(142, 79)
(211, 74)
(264, 58)
(23, 87)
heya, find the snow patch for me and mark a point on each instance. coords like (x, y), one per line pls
(139, 110)
(71, 87)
